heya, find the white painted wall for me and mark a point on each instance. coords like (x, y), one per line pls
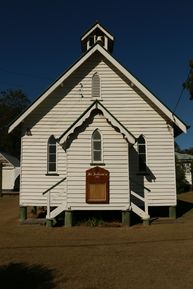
(9, 175)
(34, 178)
(64, 106)
(115, 158)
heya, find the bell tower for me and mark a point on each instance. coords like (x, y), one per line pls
(97, 35)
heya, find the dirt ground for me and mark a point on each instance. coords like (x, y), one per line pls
(159, 256)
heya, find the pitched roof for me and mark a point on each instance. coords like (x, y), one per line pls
(178, 124)
(111, 118)
(10, 159)
(184, 157)
(97, 25)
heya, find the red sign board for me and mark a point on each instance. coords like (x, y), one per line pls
(97, 185)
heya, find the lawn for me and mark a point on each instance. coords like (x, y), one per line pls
(155, 256)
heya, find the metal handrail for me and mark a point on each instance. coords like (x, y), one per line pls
(55, 185)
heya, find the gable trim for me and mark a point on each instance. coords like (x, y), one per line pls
(173, 118)
(97, 25)
(51, 88)
(133, 80)
(109, 116)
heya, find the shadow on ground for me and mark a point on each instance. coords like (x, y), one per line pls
(23, 276)
(183, 207)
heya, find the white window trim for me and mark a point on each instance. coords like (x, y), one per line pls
(92, 150)
(146, 156)
(51, 172)
(98, 97)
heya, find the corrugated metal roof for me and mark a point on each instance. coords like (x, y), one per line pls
(184, 157)
(11, 159)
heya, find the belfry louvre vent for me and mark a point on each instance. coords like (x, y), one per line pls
(96, 86)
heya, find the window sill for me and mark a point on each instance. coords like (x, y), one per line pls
(51, 174)
(96, 98)
(97, 164)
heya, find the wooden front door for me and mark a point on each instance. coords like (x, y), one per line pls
(97, 186)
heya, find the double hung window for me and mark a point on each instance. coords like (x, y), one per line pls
(51, 162)
(96, 147)
(96, 86)
(141, 154)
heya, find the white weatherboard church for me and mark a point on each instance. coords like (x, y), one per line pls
(98, 139)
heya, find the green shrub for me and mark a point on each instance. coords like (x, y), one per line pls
(181, 183)
(94, 222)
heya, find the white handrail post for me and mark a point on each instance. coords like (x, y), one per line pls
(48, 205)
(146, 202)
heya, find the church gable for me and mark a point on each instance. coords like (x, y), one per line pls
(83, 154)
(89, 114)
(88, 62)
(70, 99)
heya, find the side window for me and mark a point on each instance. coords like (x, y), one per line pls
(95, 85)
(96, 146)
(141, 154)
(51, 161)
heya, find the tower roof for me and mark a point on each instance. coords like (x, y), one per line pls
(97, 34)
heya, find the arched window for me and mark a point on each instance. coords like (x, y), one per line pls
(96, 146)
(142, 154)
(51, 155)
(95, 85)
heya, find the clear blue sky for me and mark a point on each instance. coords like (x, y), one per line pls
(39, 39)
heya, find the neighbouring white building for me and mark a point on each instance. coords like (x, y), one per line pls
(98, 139)
(10, 171)
(186, 160)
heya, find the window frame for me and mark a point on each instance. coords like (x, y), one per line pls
(93, 160)
(92, 85)
(142, 155)
(49, 144)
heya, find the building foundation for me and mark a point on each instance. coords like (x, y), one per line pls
(68, 219)
(22, 213)
(126, 218)
(172, 212)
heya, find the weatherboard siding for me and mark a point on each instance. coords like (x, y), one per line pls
(65, 105)
(113, 145)
(34, 178)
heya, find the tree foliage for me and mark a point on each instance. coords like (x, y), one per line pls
(12, 103)
(177, 147)
(181, 182)
(188, 84)
(188, 151)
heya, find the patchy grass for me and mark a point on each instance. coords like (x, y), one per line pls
(97, 218)
(34, 256)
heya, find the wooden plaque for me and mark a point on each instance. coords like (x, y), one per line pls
(97, 186)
